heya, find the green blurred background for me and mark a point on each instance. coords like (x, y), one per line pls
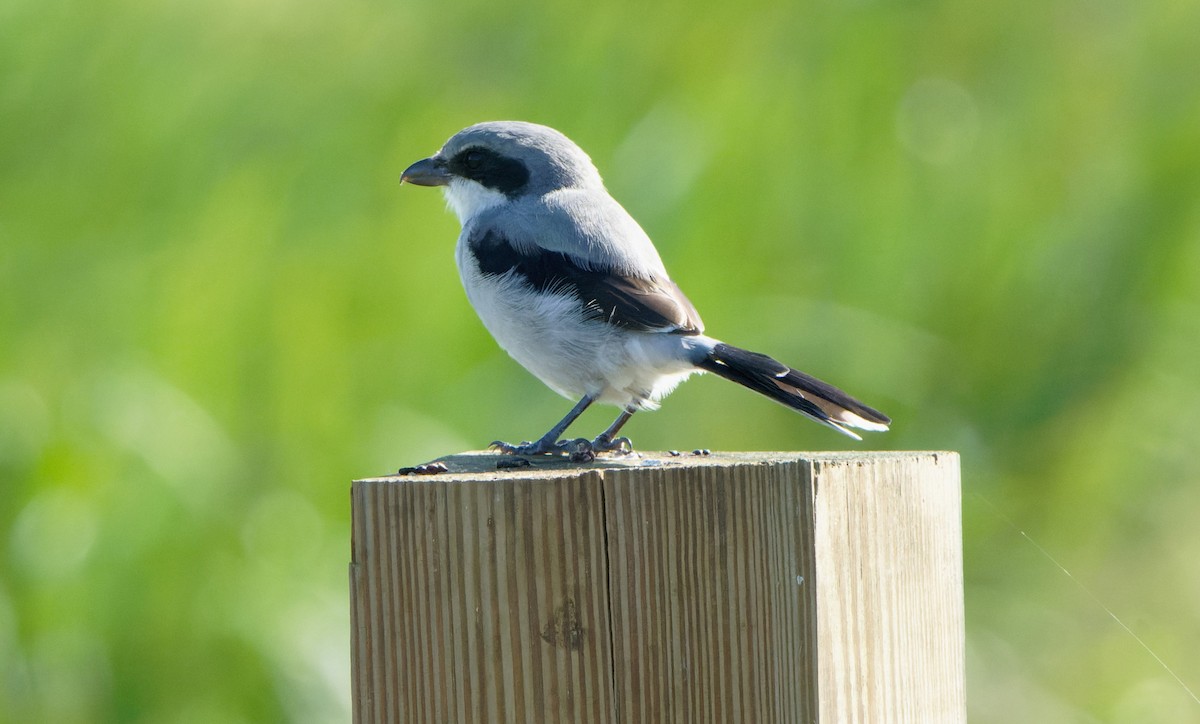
(217, 307)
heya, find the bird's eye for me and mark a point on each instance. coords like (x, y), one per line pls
(473, 160)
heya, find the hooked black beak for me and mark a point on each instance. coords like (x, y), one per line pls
(426, 172)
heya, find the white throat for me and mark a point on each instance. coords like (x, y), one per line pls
(469, 198)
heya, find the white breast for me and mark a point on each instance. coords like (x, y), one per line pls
(549, 336)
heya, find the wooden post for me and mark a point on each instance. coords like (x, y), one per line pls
(743, 587)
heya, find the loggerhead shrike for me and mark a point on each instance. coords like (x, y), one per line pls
(570, 286)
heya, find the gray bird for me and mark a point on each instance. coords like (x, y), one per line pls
(573, 289)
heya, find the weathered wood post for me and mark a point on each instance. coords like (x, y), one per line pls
(745, 587)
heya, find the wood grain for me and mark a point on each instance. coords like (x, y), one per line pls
(890, 595)
(751, 587)
(480, 602)
(710, 623)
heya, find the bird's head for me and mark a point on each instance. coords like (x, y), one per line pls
(491, 163)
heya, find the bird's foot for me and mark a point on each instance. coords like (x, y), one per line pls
(618, 446)
(542, 447)
(579, 450)
(525, 448)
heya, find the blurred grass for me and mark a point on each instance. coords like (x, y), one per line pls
(217, 307)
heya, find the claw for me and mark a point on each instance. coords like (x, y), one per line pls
(619, 446)
(541, 447)
(579, 450)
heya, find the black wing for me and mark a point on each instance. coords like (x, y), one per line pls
(621, 300)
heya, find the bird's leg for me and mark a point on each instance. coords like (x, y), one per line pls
(605, 442)
(549, 442)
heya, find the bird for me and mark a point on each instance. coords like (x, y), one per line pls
(573, 289)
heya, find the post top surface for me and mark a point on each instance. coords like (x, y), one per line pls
(478, 465)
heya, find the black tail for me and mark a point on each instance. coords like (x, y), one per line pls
(819, 400)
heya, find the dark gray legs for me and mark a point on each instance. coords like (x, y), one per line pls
(605, 442)
(549, 443)
(579, 448)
